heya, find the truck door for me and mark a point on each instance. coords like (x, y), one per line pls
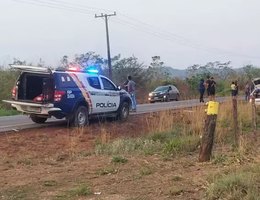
(111, 97)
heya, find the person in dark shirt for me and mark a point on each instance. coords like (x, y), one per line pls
(201, 89)
(211, 88)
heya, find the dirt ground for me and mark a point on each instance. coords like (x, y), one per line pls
(49, 163)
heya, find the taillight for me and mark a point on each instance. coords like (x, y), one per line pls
(14, 92)
(58, 95)
(38, 98)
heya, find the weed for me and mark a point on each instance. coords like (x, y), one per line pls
(8, 112)
(107, 171)
(79, 191)
(119, 159)
(177, 178)
(175, 191)
(219, 159)
(145, 171)
(49, 183)
(85, 153)
(165, 142)
(62, 157)
(18, 193)
(181, 144)
(243, 184)
(25, 161)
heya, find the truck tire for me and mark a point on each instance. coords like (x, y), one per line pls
(123, 111)
(80, 117)
(38, 120)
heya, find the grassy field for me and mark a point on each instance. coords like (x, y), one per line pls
(150, 157)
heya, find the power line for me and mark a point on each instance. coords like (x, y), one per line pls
(135, 24)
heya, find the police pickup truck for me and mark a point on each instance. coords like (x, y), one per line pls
(75, 94)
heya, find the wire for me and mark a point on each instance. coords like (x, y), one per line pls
(56, 6)
(133, 23)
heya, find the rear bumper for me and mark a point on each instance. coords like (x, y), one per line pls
(33, 108)
(257, 102)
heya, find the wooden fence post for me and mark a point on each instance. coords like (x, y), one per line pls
(209, 131)
(235, 121)
(254, 117)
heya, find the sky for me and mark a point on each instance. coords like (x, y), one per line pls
(181, 32)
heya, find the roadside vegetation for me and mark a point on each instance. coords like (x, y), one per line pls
(154, 156)
(147, 77)
(7, 112)
(174, 137)
(161, 155)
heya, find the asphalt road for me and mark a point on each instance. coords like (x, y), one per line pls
(19, 122)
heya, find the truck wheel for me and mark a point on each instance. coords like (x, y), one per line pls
(80, 118)
(123, 111)
(38, 120)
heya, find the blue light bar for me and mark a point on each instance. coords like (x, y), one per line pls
(92, 70)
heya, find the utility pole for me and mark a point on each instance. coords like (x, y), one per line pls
(107, 35)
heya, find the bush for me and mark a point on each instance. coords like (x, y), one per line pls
(243, 184)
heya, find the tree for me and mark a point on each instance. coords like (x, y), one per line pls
(64, 61)
(128, 66)
(18, 62)
(221, 71)
(89, 58)
(155, 70)
(251, 72)
(41, 63)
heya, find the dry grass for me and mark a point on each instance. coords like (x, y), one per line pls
(186, 121)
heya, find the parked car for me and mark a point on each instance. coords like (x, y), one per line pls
(256, 91)
(164, 93)
(75, 94)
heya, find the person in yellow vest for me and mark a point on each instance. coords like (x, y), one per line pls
(234, 89)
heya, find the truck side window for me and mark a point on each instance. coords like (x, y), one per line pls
(94, 82)
(107, 84)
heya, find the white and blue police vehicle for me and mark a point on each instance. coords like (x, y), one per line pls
(75, 94)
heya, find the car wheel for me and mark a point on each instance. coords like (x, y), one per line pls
(167, 98)
(80, 118)
(177, 97)
(38, 120)
(123, 111)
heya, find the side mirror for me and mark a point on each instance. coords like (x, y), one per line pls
(119, 87)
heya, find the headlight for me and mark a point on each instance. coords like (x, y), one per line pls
(150, 94)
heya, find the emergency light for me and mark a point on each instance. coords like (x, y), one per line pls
(88, 69)
(92, 70)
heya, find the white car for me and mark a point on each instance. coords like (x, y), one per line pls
(256, 91)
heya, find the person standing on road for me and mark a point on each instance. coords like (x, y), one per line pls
(201, 89)
(247, 91)
(131, 90)
(211, 88)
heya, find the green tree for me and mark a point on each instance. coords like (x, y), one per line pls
(128, 66)
(222, 72)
